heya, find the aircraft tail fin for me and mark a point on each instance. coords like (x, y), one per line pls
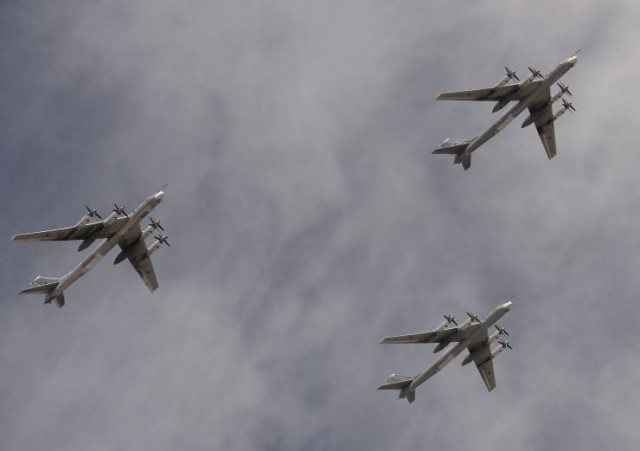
(402, 383)
(457, 148)
(45, 286)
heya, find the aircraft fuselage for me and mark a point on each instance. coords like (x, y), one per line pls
(522, 105)
(94, 257)
(453, 351)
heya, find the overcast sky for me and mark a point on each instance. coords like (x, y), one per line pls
(308, 219)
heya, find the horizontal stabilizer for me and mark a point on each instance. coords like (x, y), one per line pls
(450, 147)
(395, 382)
(42, 285)
(40, 289)
(457, 148)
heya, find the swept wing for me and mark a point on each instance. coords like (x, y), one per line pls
(450, 335)
(514, 92)
(544, 123)
(95, 230)
(136, 250)
(480, 351)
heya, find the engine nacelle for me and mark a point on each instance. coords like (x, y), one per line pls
(154, 247)
(146, 232)
(86, 219)
(110, 219)
(497, 351)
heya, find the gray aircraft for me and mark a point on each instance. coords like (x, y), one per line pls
(473, 334)
(119, 228)
(533, 93)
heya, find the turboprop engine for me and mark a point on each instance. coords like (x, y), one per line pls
(87, 219)
(160, 240)
(511, 75)
(500, 349)
(448, 319)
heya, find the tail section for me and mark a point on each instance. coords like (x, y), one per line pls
(402, 383)
(457, 148)
(46, 286)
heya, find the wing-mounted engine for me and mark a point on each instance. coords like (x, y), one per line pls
(566, 106)
(151, 227)
(448, 319)
(500, 349)
(511, 75)
(160, 240)
(89, 216)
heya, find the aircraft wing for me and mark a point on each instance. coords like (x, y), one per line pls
(139, 256)
(544, 124)
(496, 93)
(480, 351)
(95, 230)
(452, 334)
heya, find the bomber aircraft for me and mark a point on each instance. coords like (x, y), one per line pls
(473, 334)
(119, 228)
(534, 94)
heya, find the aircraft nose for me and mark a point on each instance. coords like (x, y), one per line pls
(159, 195)
(573, 60)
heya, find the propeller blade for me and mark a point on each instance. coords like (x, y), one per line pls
(450, 319)
(564, 89)
(120, 210)
(511, 74)
(505, 344)
(473, 317)
(163, 239)
(92, 212)
(156, 224)
(502, 330)
(568, 105)
(536, 73)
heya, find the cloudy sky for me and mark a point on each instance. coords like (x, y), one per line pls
(308, 219)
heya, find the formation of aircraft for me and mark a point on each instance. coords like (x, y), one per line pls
(473, 335)
(533, 93)
(119, 228)
(122, 229)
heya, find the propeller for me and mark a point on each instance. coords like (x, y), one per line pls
(505, 344)
(568, 105)
(473, 317)
(536, 73)
(163, 239)
(511, 74)
(156, 224)
(450, 319)
(92, 212)
(502, 330)
(564, 89)
(120, 210)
